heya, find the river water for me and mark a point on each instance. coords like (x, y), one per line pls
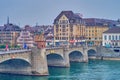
(93, 70)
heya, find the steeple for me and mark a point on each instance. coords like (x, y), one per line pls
(8, 20)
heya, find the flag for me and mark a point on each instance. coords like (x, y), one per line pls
(25, 46)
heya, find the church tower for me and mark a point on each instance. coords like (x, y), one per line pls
(8, 20)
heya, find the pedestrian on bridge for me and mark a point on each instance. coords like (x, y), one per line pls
(6, 48)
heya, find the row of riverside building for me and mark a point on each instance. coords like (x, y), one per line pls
(68, 29)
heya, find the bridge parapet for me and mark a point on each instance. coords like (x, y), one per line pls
(55, 50)
(13, 49)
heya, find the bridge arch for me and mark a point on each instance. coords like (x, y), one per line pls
(55, 59)
(76, 56)
(91, 52)
(15, 65)
(16, 60)
(26, 59)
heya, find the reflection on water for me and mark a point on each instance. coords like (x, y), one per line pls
(56, 71)
(94, 70)
(18, 77)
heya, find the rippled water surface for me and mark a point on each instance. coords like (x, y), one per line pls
(94, 70)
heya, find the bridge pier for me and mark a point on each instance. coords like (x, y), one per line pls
(39, 63)
(66, 58)
(85, 58)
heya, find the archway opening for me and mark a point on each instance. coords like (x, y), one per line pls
(15, 66)
(91, 53)
(55, 60)
(76, 56)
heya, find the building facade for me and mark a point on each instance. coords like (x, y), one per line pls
(111, 37)
(25, 38)
(49, 37)
(94, 29)
(69, 29)
(9, 33)
(46, 29)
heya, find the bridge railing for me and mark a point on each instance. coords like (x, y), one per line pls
(11, 49)
(67, 47)
(14, 51)
(55, 47)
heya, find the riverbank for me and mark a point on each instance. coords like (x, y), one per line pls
(104, 58)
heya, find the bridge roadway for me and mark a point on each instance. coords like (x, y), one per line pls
(36, 61)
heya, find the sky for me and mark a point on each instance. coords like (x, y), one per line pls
(43, 12)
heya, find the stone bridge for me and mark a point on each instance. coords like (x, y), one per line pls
(36, 61)
(62, 56)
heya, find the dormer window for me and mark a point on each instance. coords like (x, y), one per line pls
(71, 21)
(56, 22)
(77, 21)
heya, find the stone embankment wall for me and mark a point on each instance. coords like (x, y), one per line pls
(107, 54)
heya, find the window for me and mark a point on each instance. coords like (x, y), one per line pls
(59, 38)
(63, 21)
(112, 37)
(116, 44)
(105, 37)
(71, 30)
(60, 21)
(63, 38)
(66, 29)
(63, 33)
(71, 21)
(20, 39)
(105, 43)
(57, 26)
(116, 37)
(119, 37)
(109, 37)
(56, 22)
(63, 30)
(56, 30)
(63, 26)
(71, 38)
(24, 33)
